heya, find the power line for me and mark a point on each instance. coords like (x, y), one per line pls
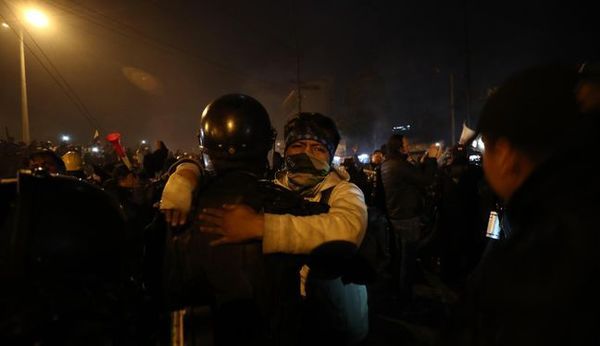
(238, 19)
(126, 30)
(82, 105)
(58, 78)
(56, 75)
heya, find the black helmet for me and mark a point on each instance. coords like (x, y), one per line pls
(235, 127)
(48, 160)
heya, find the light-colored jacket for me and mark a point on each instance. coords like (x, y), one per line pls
(336, 310)
(345, 221)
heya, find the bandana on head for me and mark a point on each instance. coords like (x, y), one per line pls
(309, 134)
(313, 126)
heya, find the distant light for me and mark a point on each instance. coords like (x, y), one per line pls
(95, 150)
(143, 141)
(480, 144)
(437, 144)
(401, 128)
(36, 18)
(474, 158)
(66, 138)
(363, 158)
(474, 144)
(337, 160)
(4, 25)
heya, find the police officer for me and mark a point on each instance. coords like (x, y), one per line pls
(46, 160)
(235, 136)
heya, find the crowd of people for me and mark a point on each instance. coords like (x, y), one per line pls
(295, 250)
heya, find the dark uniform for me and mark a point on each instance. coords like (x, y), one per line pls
(235, 136)
(68, 272)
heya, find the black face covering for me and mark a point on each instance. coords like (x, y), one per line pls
(305, 172)
(305, 163)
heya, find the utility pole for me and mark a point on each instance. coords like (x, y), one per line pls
(295, 20)
(298, 83)
(452, 111)
(467, 63)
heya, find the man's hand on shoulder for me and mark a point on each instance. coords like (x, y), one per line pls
(235, 224)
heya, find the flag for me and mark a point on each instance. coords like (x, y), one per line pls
(467, 135)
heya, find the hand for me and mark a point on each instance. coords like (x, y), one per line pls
(434, 152)
(176, 199)
(235, 223)
(175, 217)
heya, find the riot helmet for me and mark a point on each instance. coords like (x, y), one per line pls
(72, 161)
(234, 128)
(46, 160)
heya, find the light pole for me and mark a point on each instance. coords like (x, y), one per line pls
(39, 19)
(451, 77)
(25, 135)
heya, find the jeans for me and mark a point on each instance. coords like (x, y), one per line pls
(335, 313)
(406, 234)
(378, 228)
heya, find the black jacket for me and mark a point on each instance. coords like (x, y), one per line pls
(539, 286)
(404, 186)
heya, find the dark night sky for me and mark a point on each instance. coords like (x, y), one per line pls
(386, 62)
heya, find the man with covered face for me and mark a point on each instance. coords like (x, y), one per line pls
(334, 310)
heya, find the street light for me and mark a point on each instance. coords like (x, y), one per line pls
(36, 17)
(39, 19)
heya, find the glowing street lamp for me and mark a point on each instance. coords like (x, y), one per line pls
(38, 19)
